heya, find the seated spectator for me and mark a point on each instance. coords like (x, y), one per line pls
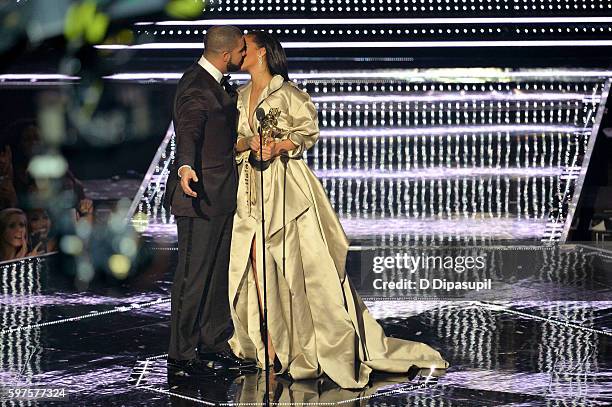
(14, 235)
(40, 231)
(26, 143)
(8, 196)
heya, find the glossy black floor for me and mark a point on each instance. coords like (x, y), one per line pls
(106, 346)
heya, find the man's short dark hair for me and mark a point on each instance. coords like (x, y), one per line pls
(221, 38)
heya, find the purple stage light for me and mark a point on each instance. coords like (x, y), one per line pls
(404, 75)
(497, 228)
(484, 227)
(516, 129)
(454, 97)
(441, 173)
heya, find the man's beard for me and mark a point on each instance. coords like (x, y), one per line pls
(232, 67)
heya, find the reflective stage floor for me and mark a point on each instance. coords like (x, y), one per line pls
(106, 346)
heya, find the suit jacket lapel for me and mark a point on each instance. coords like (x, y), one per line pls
(227, 102)
(223, 97)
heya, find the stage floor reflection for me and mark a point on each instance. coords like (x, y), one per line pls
(107, 346)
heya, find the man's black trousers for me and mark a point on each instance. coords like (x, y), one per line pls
(200, 315)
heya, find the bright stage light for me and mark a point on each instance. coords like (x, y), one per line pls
(33, 77)
(405, 74)
(381, 21)
(377, 44)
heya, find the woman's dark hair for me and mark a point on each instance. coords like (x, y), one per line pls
(275, 54)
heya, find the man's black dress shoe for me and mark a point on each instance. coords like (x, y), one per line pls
(227, 360)
(189, 368)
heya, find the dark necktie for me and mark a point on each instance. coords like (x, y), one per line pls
(229, 88)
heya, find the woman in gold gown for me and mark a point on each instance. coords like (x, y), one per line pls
(317, 323)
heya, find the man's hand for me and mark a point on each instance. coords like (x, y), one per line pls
(187, 174)
(85, 209)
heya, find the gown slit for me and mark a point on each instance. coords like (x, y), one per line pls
(253, 263)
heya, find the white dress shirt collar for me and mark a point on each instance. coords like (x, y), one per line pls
(211, 69)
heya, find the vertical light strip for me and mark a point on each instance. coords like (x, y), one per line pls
(585, 162)
(147, 179)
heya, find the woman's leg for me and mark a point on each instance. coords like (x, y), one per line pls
(271, 353)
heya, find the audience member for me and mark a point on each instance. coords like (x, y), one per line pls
(14, 235)
(8, 196)
(25, 140)
(40, 231)
(25, 143)
(18, 189)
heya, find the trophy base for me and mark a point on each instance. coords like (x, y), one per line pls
(256, 163)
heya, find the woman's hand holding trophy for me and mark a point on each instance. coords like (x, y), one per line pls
(269, 131)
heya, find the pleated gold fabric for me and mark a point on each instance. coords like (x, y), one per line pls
(317, 322)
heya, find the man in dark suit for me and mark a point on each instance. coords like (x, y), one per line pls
(201, 190)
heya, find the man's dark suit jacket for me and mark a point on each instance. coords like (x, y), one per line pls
(205, 125)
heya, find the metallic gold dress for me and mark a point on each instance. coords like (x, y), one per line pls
(318, 324)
